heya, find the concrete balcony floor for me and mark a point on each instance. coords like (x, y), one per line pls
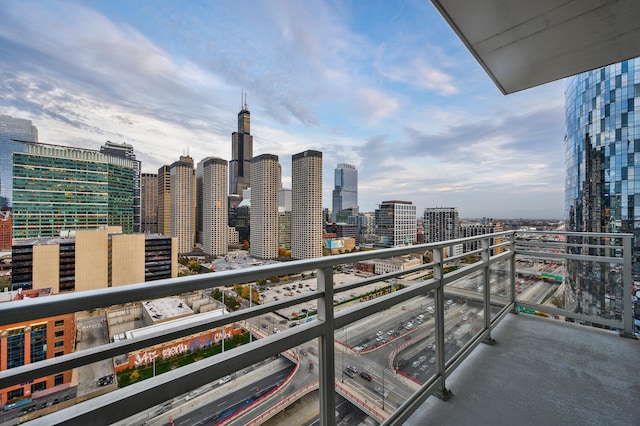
(542, 372)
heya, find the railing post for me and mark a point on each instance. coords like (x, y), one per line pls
(326, 378)
(512, 272)
(438, 272)
(486, 255)
(627, 284)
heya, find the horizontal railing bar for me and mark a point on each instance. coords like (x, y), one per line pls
(588, 258)
(576, 316)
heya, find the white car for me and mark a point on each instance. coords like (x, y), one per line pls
(276, 330)
(224, 380)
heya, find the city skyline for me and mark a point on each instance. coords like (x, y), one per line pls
(411, 108)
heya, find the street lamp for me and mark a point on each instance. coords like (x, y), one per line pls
(250, 305)
(223, 325)
(383, 390)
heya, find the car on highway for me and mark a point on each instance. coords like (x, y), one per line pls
(276, 330)
(352, 368)
(224, 380)
(424, 367)
(381, 391)
(349, 372)
(312, 350)
(423, 358)
(415, 364)
(366, 375)
(432, 360)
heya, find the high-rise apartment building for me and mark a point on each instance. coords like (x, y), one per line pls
(264, 206)
(164, 200)
(241, 152)
(306, 208)
(440, 224)
(215, 235)
(58, 187)
(475, 229)
(395, 223)
(345, 192)
(183, 203)
(149, 203)
(126, 151)
(602, 185)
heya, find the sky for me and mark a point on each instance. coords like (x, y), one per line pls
(385, 86)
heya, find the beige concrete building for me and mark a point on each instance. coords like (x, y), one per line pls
(87, 260)
(264, 207)
(306, 208)
(183, 203)
(215, 215)
(164, 200)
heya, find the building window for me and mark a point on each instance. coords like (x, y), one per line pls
(15, 348)
(59, 344)
(58, 354)
(59, 333)
(15, 394)
(59, 323)
(58, 380)
(37, 387)
(38, 342)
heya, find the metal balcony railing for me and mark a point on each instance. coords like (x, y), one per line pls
(492, 270)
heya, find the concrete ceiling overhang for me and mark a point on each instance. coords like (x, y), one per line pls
(525, 43)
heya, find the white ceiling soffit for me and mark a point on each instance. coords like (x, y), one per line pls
(525, 43)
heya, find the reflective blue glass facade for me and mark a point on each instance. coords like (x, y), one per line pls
(345, 193)
(603, 179)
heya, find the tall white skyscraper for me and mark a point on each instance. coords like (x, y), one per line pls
(183, 203)
(306, 209)
(215, 235)
(264, 207)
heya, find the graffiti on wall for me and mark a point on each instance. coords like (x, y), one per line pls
(145, 357)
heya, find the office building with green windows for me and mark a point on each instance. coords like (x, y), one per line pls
(58, 188)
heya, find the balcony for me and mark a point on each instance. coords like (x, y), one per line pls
(447, 328)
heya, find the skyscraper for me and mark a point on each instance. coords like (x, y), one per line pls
(215, 236)
(241, 152)
(125, 150)
(18, 129)
(602, 185)
(149, 203)
(183, 207)
(264, 206)
(164, 200)
(306, 209)
(345, 193)
(395, 223)
(58, 188)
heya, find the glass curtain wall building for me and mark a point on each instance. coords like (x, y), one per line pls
(345, 193)
(59, 188)
(603, 172)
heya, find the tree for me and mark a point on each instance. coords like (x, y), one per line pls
(245, 245)
(194, 265)
(216, 294)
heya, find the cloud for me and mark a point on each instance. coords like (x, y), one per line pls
(422, 75)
